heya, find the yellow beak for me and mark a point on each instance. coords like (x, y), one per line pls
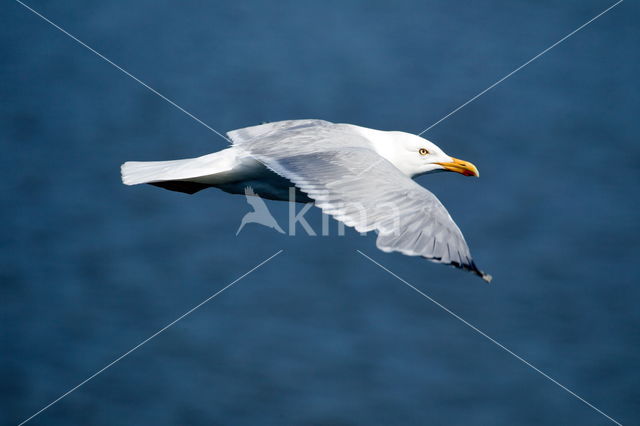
(462, 167)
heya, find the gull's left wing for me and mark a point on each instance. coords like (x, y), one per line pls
(347, 179)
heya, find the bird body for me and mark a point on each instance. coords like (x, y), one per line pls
(231, 170)
(360, 176)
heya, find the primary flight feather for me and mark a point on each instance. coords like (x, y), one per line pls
(362, 177)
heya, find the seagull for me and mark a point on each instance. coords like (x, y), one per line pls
(362, 177)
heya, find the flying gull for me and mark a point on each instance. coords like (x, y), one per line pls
(360, 176)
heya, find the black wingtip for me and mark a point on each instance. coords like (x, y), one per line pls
(470, 267)
(473, 268)
(486, 277)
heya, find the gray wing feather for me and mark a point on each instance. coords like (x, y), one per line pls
(240, 136)
(338, 169)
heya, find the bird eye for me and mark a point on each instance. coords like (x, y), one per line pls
(423, 151)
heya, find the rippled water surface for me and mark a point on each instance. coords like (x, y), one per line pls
(319, 335)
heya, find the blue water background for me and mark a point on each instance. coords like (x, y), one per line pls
(320, 335)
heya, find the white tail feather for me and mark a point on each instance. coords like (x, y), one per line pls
(137, 172)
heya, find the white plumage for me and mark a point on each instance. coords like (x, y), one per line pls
(360, 176)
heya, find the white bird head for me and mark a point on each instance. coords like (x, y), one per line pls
(415, 155)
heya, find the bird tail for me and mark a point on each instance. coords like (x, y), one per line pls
(137, 172)
(188, 175)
